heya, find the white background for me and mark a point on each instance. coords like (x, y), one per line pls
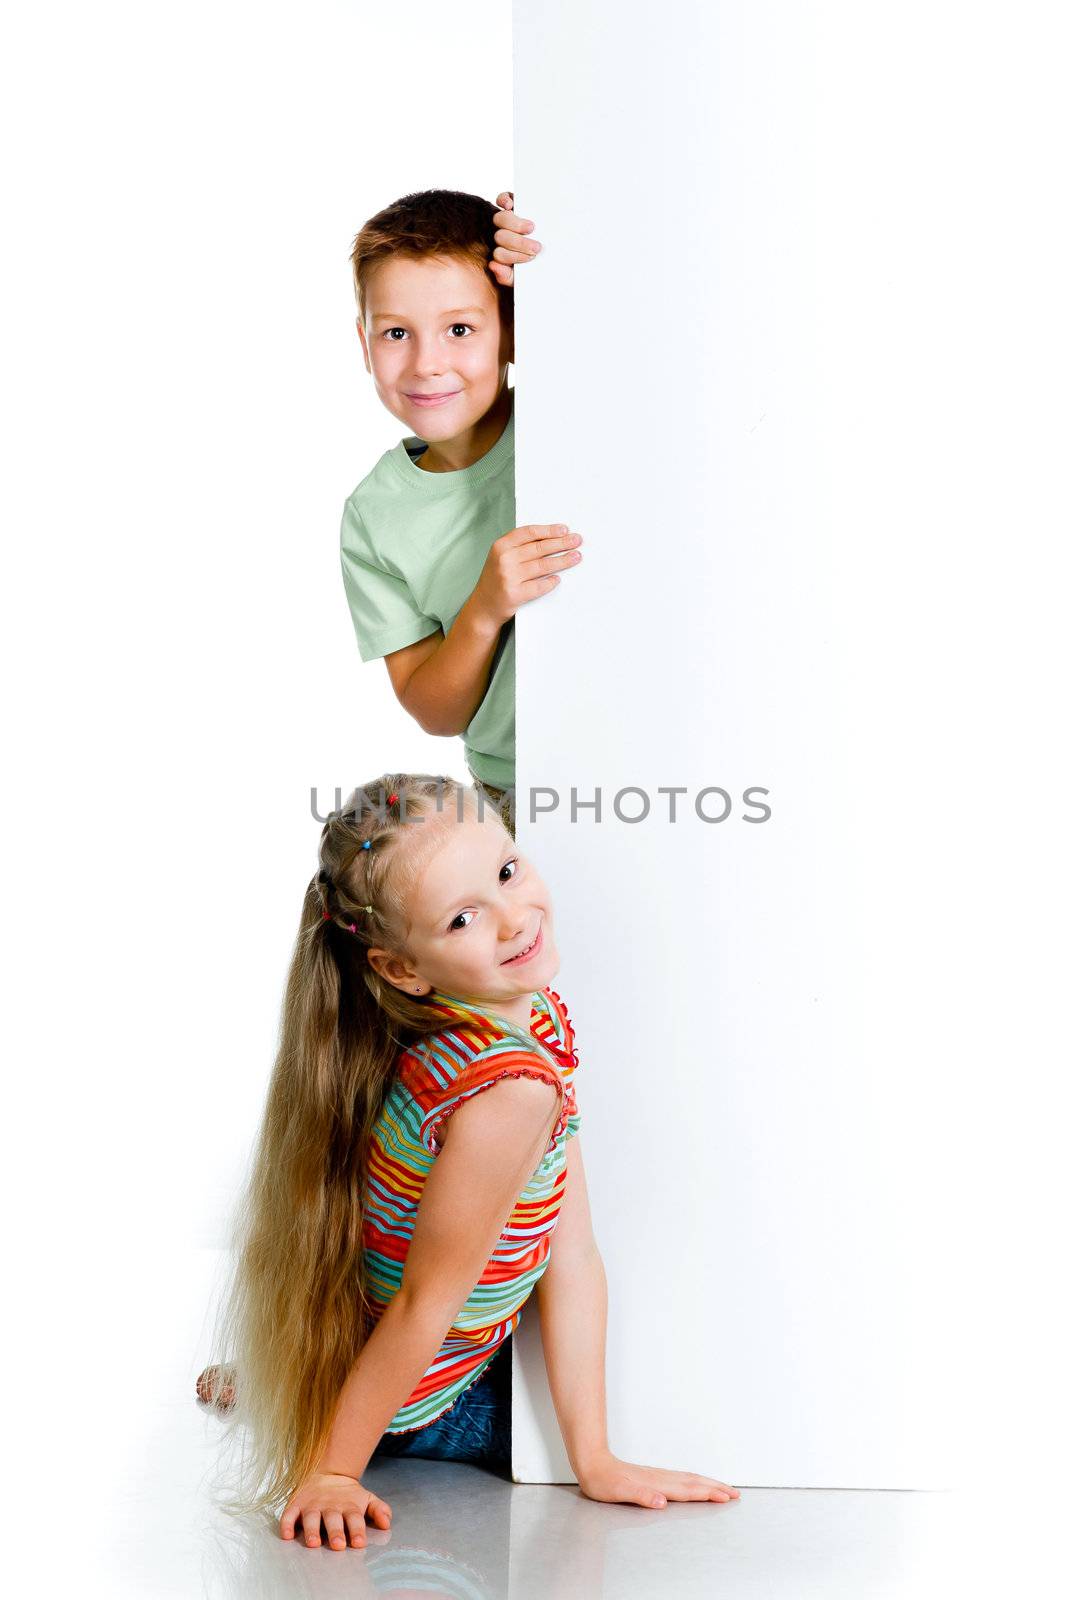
(813, 419)
(186, 411)
(844, 314)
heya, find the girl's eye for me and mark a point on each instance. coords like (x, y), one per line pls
(465, 325)
(389, 331)
(512, 869)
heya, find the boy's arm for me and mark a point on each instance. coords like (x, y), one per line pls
(442, 679)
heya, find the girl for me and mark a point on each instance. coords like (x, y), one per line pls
(418, 1149)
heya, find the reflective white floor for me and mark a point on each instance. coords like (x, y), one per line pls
(461, 1531)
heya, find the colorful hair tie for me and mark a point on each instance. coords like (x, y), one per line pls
(366, 844)
(365, 908)
(352, 927)
(392, 798)
(326, 916)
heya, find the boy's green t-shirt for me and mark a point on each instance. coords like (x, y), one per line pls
(413, 544)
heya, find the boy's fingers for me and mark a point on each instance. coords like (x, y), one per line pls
(540, 530)
(564, 544)
(524, 250)
(536, 587)
(546, 564)
(506, 202)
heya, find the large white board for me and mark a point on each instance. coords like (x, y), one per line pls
(759, 369)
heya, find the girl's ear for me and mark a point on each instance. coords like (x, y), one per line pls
(391, 968)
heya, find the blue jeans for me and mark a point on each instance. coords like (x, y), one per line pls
(476, 1428)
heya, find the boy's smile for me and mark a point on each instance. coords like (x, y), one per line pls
(438, 354)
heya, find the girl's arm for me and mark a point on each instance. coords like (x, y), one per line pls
(572, 1299)
(490, 1148)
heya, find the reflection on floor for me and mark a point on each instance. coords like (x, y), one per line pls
(461, 1532)
(464, 1532)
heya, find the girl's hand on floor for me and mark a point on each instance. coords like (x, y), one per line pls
(336, 1500)
(611, 1479)
(512, 240)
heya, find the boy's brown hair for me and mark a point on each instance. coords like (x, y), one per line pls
(432, 222)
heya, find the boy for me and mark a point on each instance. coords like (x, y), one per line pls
(433, 565)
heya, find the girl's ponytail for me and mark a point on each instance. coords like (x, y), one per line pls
(297, 1312)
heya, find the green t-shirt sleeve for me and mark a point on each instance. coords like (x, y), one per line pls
(384, 612)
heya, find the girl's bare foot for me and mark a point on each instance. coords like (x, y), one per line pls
(216, 1388)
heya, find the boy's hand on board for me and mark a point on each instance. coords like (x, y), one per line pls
(609, 1478)
(521, 566)
(335, 1500)
(513, 243)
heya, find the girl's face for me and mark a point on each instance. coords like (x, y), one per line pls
(480, 920)
(433, 342)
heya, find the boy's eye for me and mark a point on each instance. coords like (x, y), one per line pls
(457, 922)
(512, 863)
(466, 327)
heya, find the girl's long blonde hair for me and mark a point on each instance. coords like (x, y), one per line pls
(296, 1312)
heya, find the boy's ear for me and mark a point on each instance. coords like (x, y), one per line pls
(365, 347)
(507, 343)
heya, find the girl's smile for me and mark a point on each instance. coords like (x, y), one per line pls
(480, 925)
(531, 950)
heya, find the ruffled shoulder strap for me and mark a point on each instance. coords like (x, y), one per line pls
(564, 1025)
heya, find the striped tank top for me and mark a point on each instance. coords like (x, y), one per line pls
(433, 1077)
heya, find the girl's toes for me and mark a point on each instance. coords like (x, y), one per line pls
(216, 1388)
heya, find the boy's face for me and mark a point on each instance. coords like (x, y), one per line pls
(432, 329)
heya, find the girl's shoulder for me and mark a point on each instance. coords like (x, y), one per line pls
(471, 1041)
(474, 1050)
(431, 1063)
